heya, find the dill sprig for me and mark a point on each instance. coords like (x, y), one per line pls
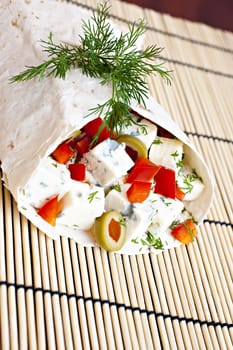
(92, 196)
(188, 180)
(152, 242)
(114, 60)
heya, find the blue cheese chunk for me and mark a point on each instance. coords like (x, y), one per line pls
(166, 210)
(145, 131)
(155, 214)
(49, 179)
(139, 219)
(82, 204)
(116, 199)
(167, 152)
(138, 216)
(107, 162)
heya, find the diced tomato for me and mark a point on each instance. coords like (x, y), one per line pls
(83, 145)
(179, 193)
(165, 182)
(143, 170)
(77, 171)
(50, 210)
(138, 191)
(63, 153)
(93, 127)
(185, 232)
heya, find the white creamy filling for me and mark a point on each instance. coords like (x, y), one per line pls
(156, 212)
(50, 179)
(166, 152)
(190, 183)
(82, 202)
(138, 130)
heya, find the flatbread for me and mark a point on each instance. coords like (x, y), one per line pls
(36, 116)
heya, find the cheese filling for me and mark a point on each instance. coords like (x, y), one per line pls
(104, 188)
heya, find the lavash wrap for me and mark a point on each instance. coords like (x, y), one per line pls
(36, 116)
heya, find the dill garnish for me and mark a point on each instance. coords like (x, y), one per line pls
(157, 142)
(91, 196)
(152, 242)
(174, 224)
(116, 187)
(179, 162)
(175, 154)
(114, 60)
(122, 222)
(188, 180)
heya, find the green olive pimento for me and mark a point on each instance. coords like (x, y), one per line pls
(135, 144)
(110, 231)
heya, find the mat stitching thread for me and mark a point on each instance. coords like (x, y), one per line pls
(160, 31)
(193, 66)
(215, 138)
(217, 222)
(184, 64)
(117, 305)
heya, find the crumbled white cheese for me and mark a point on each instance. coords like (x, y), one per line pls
(165, 211)
(117, 199)
(190, 183)
(82, 204)
(138, 216)
(166, 152)
(138, 220)
(147, 136)
(155, 213)
(49, 179)
(107, 162)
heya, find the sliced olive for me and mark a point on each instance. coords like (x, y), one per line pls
(135, 144)
(110, 231)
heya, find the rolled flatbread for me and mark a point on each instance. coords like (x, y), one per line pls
(36, 116)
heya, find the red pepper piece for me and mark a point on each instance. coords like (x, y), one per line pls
(92, 128)
(63, 153)
(185, 232)
(50, 210)
(83, 145)
(164, 133)
(165, 182)
(179, 193)
(143, 170)
(77, 171)
(114, 228)
(138, 191)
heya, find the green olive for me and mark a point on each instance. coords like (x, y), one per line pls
(110, 230)
(135, 143)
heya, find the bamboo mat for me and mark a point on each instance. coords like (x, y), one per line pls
(59, 295)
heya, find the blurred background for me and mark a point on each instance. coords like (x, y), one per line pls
(218, 14)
